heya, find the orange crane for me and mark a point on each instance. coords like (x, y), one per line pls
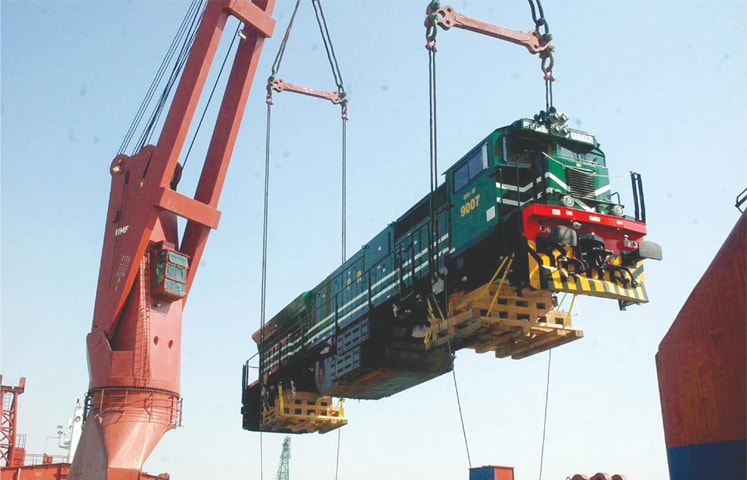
(146, 271)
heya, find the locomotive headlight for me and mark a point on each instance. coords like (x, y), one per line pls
(567, 200)
(617, 210)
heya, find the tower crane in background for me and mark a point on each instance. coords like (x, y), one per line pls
(285, 455)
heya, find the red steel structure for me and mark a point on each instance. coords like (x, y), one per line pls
(15, 463)
(702, 369)
(11, 455)
(146, 272)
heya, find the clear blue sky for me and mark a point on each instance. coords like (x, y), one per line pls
(662, 85)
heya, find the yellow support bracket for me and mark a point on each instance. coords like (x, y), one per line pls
(503, 279)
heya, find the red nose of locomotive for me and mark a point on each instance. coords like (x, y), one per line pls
(587, 253)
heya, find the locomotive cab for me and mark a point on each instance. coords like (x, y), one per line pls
(540, 192)
(578, 239)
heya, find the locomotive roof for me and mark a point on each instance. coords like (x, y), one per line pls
(554, 127)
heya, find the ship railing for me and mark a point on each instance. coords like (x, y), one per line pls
(44, 459)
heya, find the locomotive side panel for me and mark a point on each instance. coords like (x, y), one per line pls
(472, 194)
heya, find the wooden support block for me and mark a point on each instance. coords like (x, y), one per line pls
(508, 324)
(303, 412)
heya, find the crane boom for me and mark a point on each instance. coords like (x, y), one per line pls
(134, 348)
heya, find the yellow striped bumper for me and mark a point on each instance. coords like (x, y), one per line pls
(628, 286)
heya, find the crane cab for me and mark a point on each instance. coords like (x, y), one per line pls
(169, 277)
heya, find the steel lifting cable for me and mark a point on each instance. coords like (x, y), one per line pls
(332, 58)
(547, 65)
(178, 67)
(210, 98)
(284, 42)
(265, 228)
(263, 289)
(433, 232)
(452, 355)
(185, 32)
(547, 388)
(536, 19)
(548, 60)
(544, 422)
(341, 97)
(459, 405)
(175, 72)
(337, 459)
(321, 20)
(344, 185)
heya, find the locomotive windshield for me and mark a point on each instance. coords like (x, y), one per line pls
(527, 151)
(524, 151)
(528, 141)
(581, 153)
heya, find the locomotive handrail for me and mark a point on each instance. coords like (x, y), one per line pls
(638, 200)
(741, 198)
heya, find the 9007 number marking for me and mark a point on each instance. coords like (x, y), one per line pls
(470, 205)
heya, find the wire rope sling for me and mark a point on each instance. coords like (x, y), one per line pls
(275, 84)
(338, 97)
(535, 41)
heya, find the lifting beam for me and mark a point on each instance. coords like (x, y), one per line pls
(446, 18)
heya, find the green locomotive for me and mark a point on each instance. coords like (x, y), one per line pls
(536, 191)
